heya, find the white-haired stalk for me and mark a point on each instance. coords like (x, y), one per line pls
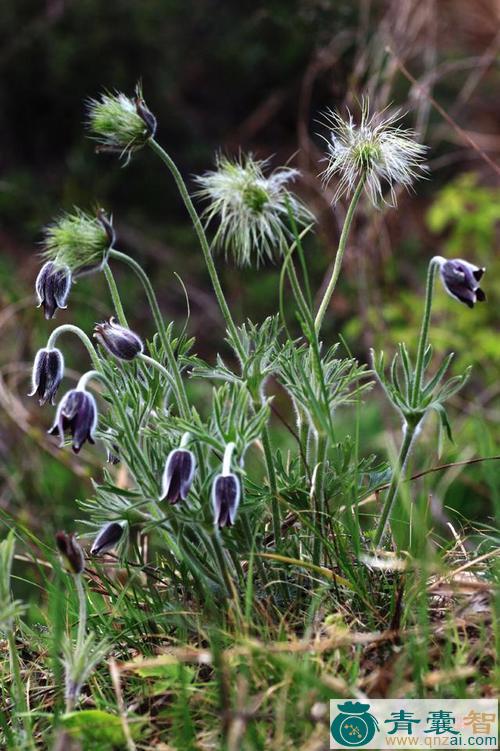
(319, 491)
(68, 327)
(424, 331)
(159, 367)
(180, 391)
(339, 255)
(186, 437)
(134, 448)
(205, 247)
(20, 687)
(82, 612)
(410, 433)
(133, 445)
(115, 295)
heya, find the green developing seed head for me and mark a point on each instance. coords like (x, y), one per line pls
(120, 124)
(79, 241)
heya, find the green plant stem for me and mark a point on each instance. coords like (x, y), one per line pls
(424, 333)
(82, 613)
(205, 247)
(275, 508)
(180, 391)
(21, 704)
(404, 455)
(339, 257)
(322, 444)
(155, 364)
(115, 295)
(51, 342)
(129, 433)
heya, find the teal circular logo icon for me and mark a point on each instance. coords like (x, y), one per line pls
(354, 726)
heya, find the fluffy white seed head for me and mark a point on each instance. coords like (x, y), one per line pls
(252, 209)
(377, 148)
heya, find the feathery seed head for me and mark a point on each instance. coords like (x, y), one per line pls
(377, 149)
(251, 208)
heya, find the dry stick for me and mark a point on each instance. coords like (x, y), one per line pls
(463, 135)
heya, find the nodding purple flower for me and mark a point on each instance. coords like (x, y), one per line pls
(52, 287)
(178, 475)
(77, 415)
(71, 552)
(118, 340)
(226, 492)
(108, 537)
(48, 371)
(461, 280)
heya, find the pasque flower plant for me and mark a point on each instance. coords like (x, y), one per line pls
(194, 456)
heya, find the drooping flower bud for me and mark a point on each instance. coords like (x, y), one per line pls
(77, 415)
(120, 124)
(118, 340)
(461, 280)
(52, 287)
(108, 537)
(48, 371)
(71, 552)
(79, 241)
(178, 475)
(226, 492)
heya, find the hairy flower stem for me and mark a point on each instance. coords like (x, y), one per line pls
(82, 612)
(20, 696)
(129, 433)
(275, 508)
(339, 257)
(398, 472)
(115, 295)
(180, 391)
(205, 247)
(51, 342)
(424, 332)
(319, 485)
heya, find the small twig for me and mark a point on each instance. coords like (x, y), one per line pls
(463, 135)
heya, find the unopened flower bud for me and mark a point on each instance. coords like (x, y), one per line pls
(48, 371)
(461, 280)
(118, 340)
(108, 537)
(77, 415)
(71, 552)
(52, 287)
(178, 475)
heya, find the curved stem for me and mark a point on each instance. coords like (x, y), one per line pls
(115, 295)
(424, 331)
(180, 391)
(91, 374)
(81, 335)
(404, 455)
(319, 492)
(340, 255)
(161, 368)
(198, 226)
(275, 509)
